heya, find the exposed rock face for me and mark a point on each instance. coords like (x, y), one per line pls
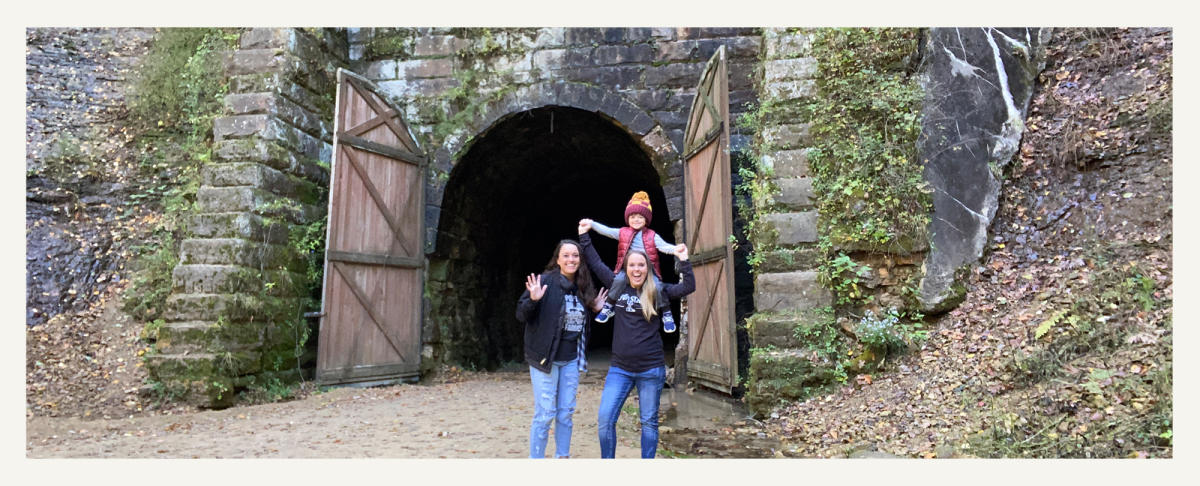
(978, 86)
(77, 157)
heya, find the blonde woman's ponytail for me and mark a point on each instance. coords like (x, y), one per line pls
(647, 295)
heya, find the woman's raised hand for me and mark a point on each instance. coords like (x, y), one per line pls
(681, 252)
(598, 302)
(533, 283)
(585, 225)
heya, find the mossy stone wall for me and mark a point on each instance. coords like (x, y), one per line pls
(235, 315)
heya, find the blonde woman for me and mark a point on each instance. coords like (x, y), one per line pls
(637, 348)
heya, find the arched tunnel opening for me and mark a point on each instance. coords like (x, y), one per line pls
(520, 188)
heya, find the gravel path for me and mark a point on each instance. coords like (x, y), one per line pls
(484, 416)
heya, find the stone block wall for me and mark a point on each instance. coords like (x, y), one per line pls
(654, 70)
(235, 313)
(786, 291)
(786, 280)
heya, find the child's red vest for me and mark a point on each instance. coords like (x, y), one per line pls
(625, 238)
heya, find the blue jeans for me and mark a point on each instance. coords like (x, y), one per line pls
(553, 400)
(617, 386)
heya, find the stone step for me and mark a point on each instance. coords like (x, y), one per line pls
(788, 163)
(253, 174)
(784, 376)
(279, 83)
(236, 251)
(267, 37)
(791, 90)
(778, 292)
(275, 156)
(781, 44)
(795, 193)
(200, 379)
(794, 227)
(781, 260)
(789, 69)
(239, 225)
(781, 330)
(257, 201)
(787, 136)
(229, 279)
(284, 109)
(269, 127)
(199, 337)
(202, 365)
(274, 60)
(251, 61)
(231, 308)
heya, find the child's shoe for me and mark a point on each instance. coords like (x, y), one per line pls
(606, 313)
(668, 321)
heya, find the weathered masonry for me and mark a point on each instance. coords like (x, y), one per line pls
(469, 154)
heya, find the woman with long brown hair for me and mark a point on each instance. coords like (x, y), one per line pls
(557, 307)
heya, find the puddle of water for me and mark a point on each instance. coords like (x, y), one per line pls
(700, 408)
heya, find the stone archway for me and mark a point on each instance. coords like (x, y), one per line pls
(620, 110)
(517, 188)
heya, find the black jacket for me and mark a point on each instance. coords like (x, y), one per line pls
(544, 321)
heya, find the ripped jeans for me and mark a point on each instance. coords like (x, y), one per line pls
(553, 400)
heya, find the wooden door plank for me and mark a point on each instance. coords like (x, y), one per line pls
(381, 149)
(376, 259)
(378, 199)
(707, 311)
(368, 307)
(400, 131)
(364, 127)
(704, 199)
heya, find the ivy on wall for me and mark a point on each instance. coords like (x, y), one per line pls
(865, 123)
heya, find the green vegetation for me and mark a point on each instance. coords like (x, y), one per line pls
(871, 199)
(175, 95)
(389, 44)
(756, 184)
(468, 100)
(179, 84)
(865, 124)
(890, 332)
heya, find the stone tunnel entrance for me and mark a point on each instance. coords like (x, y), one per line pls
(519, 189)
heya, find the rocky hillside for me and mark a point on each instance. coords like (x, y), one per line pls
(1063, 347)
(79, 161)
(86, 215)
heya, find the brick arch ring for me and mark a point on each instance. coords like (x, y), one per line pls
(636, 121)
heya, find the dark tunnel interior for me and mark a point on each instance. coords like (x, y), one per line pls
(522, 186)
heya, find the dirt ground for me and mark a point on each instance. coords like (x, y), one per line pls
(485, 415)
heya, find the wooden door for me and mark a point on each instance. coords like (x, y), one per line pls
(708, 216)
(374, 261)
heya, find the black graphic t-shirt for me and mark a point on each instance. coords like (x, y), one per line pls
(636, 345)
(573, 319)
